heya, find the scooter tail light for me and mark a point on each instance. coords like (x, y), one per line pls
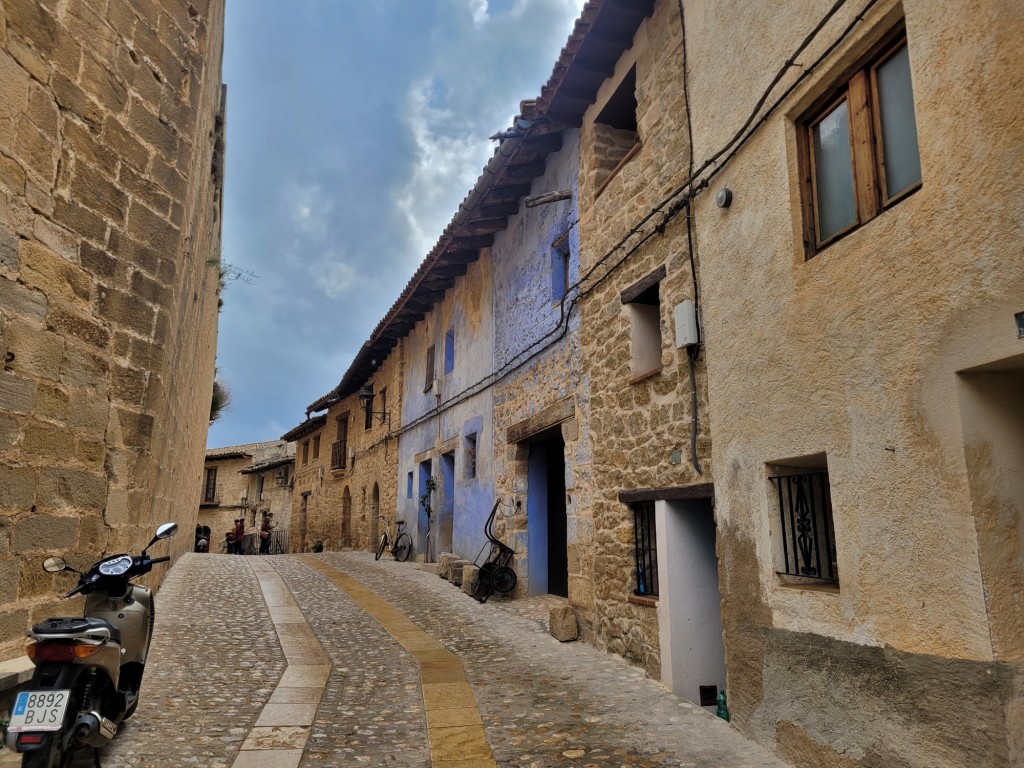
(30, 738)
(84, 651)
(60, 652)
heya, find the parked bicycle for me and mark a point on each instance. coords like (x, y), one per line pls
(400, 546)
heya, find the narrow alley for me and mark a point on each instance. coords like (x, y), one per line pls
(338, 660)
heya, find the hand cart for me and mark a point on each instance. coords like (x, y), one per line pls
(496, 573)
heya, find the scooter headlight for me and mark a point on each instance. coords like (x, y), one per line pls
(118, 566)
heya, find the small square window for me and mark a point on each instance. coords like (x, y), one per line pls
(470, 455)
(560, 266)
(644, 304)
(428, 370)
(802, 503)
(449, 351)
(645, 550)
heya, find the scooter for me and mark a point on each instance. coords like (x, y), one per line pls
(88, 669)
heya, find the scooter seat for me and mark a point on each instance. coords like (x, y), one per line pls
(77, 625)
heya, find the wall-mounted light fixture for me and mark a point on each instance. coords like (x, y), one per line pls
(724, 197)
(366, 398)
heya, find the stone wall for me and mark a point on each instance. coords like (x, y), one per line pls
(330, 492)
(640, 426)
(110, 115)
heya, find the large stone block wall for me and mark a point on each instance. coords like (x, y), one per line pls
(640, 429)
(110, 164)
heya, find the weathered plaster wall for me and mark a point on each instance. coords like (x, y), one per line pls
(537, 338)
(466, 309)
(640, 429)
(855, 354)
(110, 171)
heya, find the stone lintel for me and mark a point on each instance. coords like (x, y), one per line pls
(674, 493)
(544, 419)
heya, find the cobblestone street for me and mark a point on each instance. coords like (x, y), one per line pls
(223, 646)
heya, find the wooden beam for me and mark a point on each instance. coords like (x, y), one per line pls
(549, 197)
(473, 241)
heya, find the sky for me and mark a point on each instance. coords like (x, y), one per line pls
(354, 129)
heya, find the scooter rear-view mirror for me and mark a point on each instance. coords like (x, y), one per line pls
(165, 531)
(54, 565)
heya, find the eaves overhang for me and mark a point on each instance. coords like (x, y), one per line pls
(603, 32)
(305, 428)
(264, 466)
(226, 456)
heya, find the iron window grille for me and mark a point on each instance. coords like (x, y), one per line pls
(646, 549)
(808, 533)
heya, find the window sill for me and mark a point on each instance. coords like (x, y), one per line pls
(633, 152)
(646, 602)
(807, 584)
(645, 376)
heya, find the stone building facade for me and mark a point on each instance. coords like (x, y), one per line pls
(346, 462)
(789, 408)
(111, 166)
(246, 482)
(873, 367)
(652, 471)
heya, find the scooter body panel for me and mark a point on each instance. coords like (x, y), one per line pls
(131, 615)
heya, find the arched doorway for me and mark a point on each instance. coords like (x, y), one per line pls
(346, 518)
(375, 516)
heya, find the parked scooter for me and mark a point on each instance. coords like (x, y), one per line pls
(88, 669)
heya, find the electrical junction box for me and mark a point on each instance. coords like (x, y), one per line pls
(686, 324)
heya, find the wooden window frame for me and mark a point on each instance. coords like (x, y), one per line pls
(858, 87)
(430, 370)
(210, 486)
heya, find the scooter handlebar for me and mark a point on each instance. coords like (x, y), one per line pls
(156, 560)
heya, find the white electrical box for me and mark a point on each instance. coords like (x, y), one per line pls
(436, 388)
(686, 324)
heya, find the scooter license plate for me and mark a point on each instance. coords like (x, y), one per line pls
(39, 711)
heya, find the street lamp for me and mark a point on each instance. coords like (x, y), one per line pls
(366, 398)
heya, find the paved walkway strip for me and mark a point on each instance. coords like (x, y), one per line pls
(279, 736)
(454, 727)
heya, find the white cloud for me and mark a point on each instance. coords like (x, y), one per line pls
(449, 155)
(308, 209)
(478, 10)
(334, 277)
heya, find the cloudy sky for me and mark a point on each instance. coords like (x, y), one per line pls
(355, 128)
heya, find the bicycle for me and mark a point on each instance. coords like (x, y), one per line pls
(402, 546)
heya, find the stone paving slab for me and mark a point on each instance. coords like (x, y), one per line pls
(545, 703)
(217, 662)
